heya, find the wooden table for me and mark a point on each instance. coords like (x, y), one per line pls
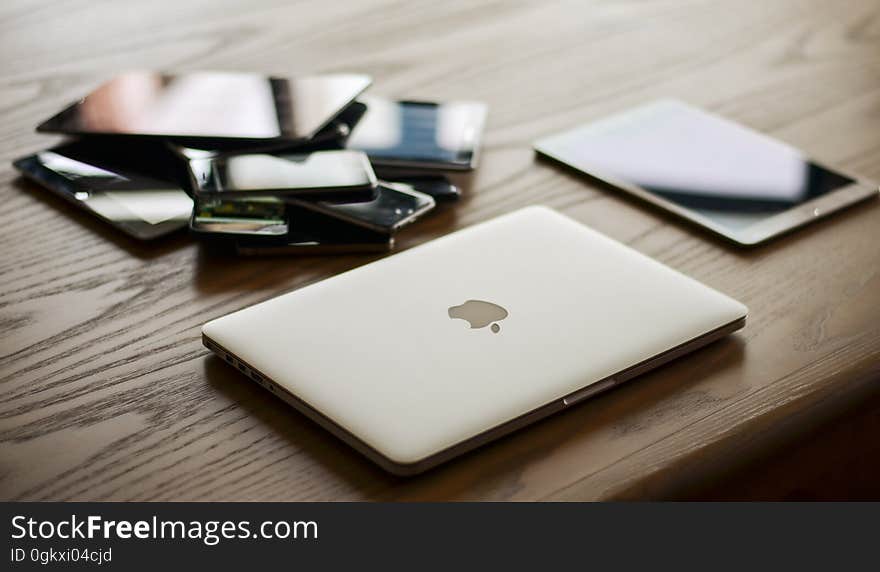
(107, 393)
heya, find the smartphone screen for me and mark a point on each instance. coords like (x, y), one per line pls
(141, 204)
(420, 134)
(394, 206)
(731, 175)
(323, 173)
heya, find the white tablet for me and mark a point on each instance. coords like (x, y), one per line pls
(426, 354)
(735, 182)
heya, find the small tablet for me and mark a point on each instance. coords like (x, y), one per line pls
(142, 205)
(738, 183)
(210, 106)
(420, 134)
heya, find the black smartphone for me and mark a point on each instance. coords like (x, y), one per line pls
(420, 134)
(313, 233)
(394, 207)
(437, 186)
(336, 175)
(128, 187)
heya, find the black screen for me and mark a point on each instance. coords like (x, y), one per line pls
(322, 172)
(210, 106)
(423, 133)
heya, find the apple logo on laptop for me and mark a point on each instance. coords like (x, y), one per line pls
(479, 314)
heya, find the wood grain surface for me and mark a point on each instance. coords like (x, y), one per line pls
(106, 392)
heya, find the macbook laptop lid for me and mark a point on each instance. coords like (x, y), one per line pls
(422, 355)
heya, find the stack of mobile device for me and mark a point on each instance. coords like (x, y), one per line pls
(266, 165)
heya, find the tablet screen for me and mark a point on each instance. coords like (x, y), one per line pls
(210, 105)
(723, 171)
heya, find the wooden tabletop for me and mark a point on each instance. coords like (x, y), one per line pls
(107, 393)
